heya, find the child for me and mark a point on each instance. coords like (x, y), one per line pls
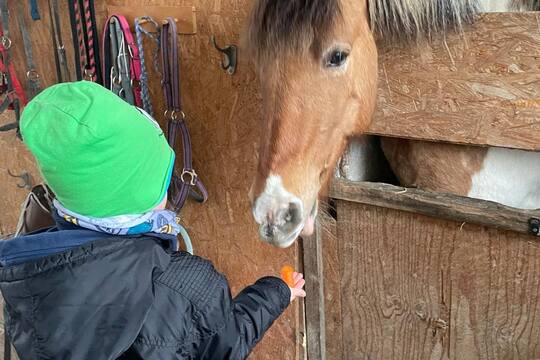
(107, 282)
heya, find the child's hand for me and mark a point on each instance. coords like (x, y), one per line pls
(299, 283)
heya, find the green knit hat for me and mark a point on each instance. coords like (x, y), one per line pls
(101, 156)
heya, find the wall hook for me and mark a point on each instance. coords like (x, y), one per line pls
(26, 180)
(534, 226)
(228, 61)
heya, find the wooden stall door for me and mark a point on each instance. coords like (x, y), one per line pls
(415, 287)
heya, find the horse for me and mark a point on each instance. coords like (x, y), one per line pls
(317, 64)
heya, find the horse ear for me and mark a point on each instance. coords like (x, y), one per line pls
(411, 19)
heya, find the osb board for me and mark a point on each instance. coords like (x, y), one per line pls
(13, 154)
(185, 16)
(482, 87)
(223, 120)
(414, 287)
(14, 158)
(223, 117)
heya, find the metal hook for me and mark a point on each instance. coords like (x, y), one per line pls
(229, 52)
(534, 226)
(25, 177)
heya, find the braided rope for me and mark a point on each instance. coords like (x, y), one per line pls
(80, 36)
(139, 31)
(90, 35)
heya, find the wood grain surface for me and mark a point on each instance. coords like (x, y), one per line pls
(415, 287)
(445, 206)
(480, 87)
(223, 117)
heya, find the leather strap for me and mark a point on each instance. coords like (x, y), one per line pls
(32, 76)
(121, 61)
(188, 183)
(60, 58)
(135, 60)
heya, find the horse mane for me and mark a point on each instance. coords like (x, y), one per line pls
(526, 5)
(410, 19)
(291, 25)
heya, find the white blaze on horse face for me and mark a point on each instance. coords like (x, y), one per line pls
(509, 177)
(279, 213)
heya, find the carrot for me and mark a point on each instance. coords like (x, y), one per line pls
(287, 275)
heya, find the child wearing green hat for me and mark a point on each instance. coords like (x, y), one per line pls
(107, 282)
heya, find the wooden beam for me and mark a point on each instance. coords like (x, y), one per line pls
(438, 205)
(315, 309)
(481, 87)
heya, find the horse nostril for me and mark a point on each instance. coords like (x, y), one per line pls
(269, 231)
(293, 214)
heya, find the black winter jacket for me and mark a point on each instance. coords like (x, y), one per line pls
(130, 298)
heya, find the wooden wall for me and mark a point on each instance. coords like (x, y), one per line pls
(480, 87)
(414, 287)
(223, 118)
(400, 285)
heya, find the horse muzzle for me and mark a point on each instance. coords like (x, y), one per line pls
(281, 215)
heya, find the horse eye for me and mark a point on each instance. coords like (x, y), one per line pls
(336, 58)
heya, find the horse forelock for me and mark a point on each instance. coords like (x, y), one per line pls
(285, 26)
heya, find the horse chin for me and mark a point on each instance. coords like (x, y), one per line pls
(306, 229)
(309, 224)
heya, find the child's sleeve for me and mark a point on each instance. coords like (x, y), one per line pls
(251, 314)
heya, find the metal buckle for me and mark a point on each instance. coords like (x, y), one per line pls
(192, 174)
(32, 75)
(88, 75)
(130, 51)
(173, 114)
(5, 41)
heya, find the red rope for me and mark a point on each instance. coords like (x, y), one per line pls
(90, 34)
(80, 36)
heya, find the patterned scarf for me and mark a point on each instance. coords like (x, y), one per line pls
(158, 221)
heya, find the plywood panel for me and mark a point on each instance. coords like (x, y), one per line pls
(482, 87)
(414, 287)
(223, 116)
(16, 159)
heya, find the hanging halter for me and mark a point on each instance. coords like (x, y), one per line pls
(10, 87)
(188, 183)
(121, 61)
